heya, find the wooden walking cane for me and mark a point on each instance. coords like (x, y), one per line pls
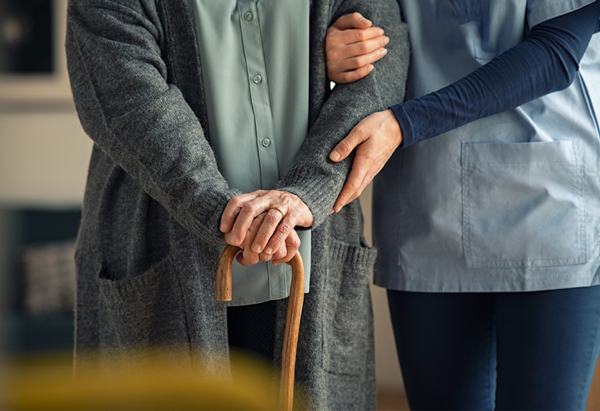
(292, 321)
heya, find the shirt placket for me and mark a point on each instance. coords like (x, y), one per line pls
(259, 92)
(263, 119)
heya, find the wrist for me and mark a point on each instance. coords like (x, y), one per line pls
(394, 129)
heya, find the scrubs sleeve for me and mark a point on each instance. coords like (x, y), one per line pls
(545, 62)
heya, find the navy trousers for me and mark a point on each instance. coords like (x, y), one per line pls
(505, 351)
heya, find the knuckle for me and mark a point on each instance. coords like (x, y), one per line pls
(356, 63)
(273, 217)
(363, 48)
(346, 146)
(287, 198)
(249, 207)
(330, 40)
(284, 227)
(236, 201)
(354, 185)
(361, 35)
(346, 77)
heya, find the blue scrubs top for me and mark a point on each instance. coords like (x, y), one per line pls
(506, 203)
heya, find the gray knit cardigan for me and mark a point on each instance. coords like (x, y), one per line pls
(149, 240)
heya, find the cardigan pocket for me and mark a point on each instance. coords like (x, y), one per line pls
(347, 316)
(523, 204)
(144, 311)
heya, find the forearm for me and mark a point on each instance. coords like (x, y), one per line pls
(313, 177)
(126, 105)
(546, 61)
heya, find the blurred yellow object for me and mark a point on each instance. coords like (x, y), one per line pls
(154, 383)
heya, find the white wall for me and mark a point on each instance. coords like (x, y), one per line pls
(43, 158)
(388, 370)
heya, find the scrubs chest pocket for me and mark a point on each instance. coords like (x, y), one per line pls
(523, 204)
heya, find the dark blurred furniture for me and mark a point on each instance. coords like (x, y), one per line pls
(40, 283)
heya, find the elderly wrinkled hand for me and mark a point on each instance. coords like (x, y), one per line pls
(283, 254)
(263, 222)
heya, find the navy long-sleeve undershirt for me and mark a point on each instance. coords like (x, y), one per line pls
(546, 61)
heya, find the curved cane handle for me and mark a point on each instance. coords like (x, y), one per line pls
(292, 322)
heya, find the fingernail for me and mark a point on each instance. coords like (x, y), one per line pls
(371, 67)
(256, 248)
(386, 40)
(334, 155)
(381, 32)
(223, 227)
(331, 212)
(383, 51)
(269, 250)
(365, 21)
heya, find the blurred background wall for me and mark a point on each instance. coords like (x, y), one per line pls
(43, 164)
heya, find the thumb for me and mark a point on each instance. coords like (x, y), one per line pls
(352, 21)
(347, 145)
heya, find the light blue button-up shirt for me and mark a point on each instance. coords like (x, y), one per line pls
(255, 70)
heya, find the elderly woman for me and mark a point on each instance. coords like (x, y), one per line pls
(193, 103)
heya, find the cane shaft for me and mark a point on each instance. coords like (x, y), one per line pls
(290, 339)
(292, 323)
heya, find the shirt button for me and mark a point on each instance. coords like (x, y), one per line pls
(266, 142)
(248, 16)
(257, 79)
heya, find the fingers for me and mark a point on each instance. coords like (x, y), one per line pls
(292, 244)
(283, 211)
(350, 53)
(284, 229)
(274, 220)
(247, 257)
(379, 135)
(275, 229)
(353, 75)
(361, 54)
(347, 145)
(354, 184)
(246, 213)
(350, 21)
(233, 208)
(278, 255)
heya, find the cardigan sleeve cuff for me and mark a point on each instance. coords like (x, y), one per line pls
(313, 191)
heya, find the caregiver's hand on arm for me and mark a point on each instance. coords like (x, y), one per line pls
(375, 139)
(352, 45)
(282, 212)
